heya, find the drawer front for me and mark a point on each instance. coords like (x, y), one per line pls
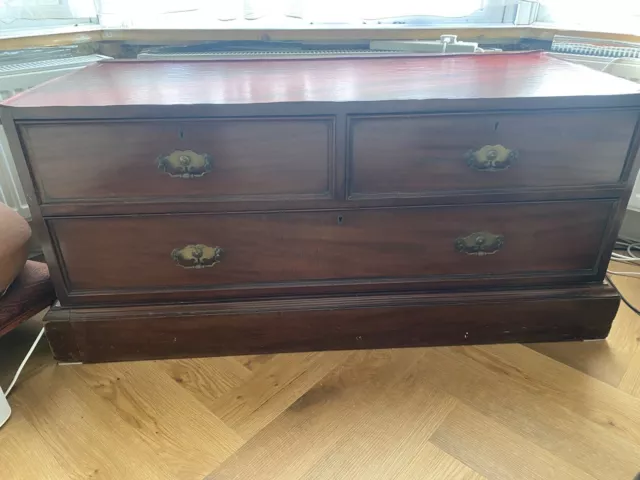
(214, 159)
(431, 155)
(281, 250)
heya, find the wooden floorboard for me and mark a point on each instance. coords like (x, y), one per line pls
(545, 411)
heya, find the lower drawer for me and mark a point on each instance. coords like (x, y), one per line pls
(155, 256)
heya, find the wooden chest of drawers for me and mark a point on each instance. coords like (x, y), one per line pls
(210, 208)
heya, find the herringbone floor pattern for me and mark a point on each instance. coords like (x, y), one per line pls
(550, 411)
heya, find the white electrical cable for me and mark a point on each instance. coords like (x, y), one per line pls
(24, 362)
(630, 250)
(611, 63)
(624, 274)
(630, 258)
(624, 258)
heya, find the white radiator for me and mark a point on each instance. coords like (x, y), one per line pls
(14, 78)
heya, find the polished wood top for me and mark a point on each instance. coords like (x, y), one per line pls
(504, 75)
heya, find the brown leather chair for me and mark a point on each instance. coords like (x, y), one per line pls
(25, 287)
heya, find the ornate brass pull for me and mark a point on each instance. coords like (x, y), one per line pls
(185, 164)
(197, 256)
(491, 158)
(479, 243)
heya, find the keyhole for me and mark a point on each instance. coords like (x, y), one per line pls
(340, 219)
(181, 134)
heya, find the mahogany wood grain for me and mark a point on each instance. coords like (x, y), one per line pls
(280, 250)
(426, 154)
(134, 333)
(450, 77)
(340, 273)
(262, 159)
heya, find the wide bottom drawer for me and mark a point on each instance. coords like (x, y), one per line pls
(155, 256)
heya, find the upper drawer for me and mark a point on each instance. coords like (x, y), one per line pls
(214, 159)
(415, 155)
(205, 255)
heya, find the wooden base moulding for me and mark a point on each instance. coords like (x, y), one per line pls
(331, 323)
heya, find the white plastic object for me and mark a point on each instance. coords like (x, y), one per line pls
(5, 409)
(446, 44)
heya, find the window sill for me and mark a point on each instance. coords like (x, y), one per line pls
(628, 33)
(50, 37)
(486, 34)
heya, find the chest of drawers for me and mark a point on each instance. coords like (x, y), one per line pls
(230, 207)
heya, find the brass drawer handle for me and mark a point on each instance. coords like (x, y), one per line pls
(479, 243)
(197, 256)
(185, 164)
(491, 158)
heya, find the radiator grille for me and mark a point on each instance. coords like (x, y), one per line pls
(10, 190)
(168, 54)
